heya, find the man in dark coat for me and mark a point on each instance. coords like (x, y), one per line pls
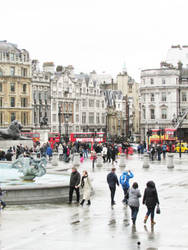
(74, 182)
(112, 182)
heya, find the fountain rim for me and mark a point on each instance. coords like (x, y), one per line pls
(37, 186)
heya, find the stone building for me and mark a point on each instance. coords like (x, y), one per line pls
(77, 101)
(115, 113)
(15, 85)
(130, 89)
(163, 97)
(41, 94)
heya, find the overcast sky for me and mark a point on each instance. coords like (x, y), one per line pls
(96, 34)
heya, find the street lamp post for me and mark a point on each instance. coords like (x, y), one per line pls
(66, 118)
(60, 117)
(94, 157)
(179, 90)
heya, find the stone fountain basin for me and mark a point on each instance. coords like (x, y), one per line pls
(36, 194)
(50, 188)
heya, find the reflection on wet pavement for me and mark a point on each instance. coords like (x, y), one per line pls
(100, 226)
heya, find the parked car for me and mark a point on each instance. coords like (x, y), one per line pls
(184, 148)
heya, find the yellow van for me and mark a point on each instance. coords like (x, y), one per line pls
(184, 148)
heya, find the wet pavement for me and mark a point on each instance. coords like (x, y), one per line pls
(63, 226)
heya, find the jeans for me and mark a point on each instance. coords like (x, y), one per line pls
(112, 190)
(71, 190)
(134, 212)
(85, 153)
(125, 190)
(151, 210)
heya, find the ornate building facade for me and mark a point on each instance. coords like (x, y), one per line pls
(15, 85)
(77, 103)
(159, 98)
(41, 94)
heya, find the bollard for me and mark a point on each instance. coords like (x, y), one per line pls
(122, 161)
(55, 159)
(76, 161)
(170, 163)
(146, 161)
(99, 162)
(34, 155)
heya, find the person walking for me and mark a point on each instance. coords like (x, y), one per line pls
(104, 153)
(124, 181)
(112, 181)
(86, 186)
(133, 201)
(164, 148)
(74, 183)
(150, 199)
(159, 152)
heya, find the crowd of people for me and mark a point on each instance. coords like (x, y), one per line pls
(131, 194)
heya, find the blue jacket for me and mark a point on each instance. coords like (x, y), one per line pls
(49, 151)
(124, 179)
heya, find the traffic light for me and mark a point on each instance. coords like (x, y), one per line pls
(149, 133)
(159, 133)
(162, 131)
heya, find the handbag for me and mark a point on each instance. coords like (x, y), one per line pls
(158, 210)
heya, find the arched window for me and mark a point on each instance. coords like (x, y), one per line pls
(164, 113)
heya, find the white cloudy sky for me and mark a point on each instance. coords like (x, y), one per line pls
(96, 34)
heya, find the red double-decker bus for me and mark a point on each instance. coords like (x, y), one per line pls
(91, 137)
(35, 136)
(53, 138)
(164, 136)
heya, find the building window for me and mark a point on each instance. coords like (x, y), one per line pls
(23, 72)
(12, 117)
(152, 114)
(163, 97)
(54, 118)
(1, 72)
(1, 118)
(77, 107)
(54, 106)
(102, 104)
(84, 103)
(130, 88)
(77, 118)
(24, 118)
(163, 81)
(97, 104)
(103, 118)
(91, 103)
(143, 81)
(11, 56)
(152, 97)
(1, 102)
(1, 87)
(91, 117)
(98, 118)
(35, 117)
(12, 102)
(12, 87)
(77, 128)
(144, 114)
(12, 71)
(24, 88)
(184, 97)
(70, 107)
(24, 102)
(151, 81)
(84, 118)
(164, 114)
